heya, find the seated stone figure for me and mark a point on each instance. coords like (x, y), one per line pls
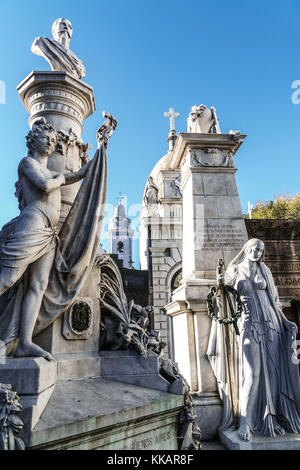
(56, 51)
(29, 241)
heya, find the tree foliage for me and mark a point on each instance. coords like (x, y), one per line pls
(283, 207)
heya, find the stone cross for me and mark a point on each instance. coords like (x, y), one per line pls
(250, 208)
(172, 115)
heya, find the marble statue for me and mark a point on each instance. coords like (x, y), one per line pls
(203, 120)
(32, 238)
(42, 269)
(57, 52)
(151, 196)
(267, 378)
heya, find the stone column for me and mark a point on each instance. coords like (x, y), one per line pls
(213, 228)
(65, 102)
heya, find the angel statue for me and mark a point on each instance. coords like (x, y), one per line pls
(203, 120)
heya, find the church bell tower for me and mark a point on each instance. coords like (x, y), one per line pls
(120, 235)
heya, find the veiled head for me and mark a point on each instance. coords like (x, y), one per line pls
(254, 250)
(60, 27)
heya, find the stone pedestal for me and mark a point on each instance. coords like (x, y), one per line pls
(129, 367)
(231, 441)
(213, 228)
(120, 398)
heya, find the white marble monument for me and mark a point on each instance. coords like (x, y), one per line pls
(53, 279)
(213, 228)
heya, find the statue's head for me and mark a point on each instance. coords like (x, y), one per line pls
(42, 138)
(194, 111)
(254, 250)
(62, 30)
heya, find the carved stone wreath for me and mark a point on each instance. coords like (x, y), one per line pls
(212, 158)
(80, 317)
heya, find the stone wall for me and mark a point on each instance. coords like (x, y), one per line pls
(282, 256)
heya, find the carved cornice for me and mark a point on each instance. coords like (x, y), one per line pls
(189, 141)
(44, 93)
(211, 157)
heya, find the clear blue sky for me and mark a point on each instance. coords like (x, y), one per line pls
(143, 57)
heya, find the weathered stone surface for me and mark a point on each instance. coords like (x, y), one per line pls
(129, 367)
(78, 366)
(209, 408)
(28, 376)
(105, 414)
(231, 441)
(282, 243)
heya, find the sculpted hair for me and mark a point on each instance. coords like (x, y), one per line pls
(38, 126)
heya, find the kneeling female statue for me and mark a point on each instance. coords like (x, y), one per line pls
(266, 373)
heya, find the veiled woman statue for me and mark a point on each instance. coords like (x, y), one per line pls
(266, 373)
(151, 196)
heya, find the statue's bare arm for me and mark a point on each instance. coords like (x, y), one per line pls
(35, 175)
(73, 177)
(33, 172)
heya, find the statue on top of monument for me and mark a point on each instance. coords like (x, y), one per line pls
(150, 198)
(203, 120)
(57, 52)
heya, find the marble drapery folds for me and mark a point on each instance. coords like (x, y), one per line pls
(77, 245)
(58, 56)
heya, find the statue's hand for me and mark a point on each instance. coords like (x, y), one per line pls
(83, 170)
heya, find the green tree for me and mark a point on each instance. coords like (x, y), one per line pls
(283, 207)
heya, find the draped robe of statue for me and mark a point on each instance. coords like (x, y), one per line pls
(266, 342)
(76, 249)
(58, 56)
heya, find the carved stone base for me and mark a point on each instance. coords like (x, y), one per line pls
(129, 367)
(209, 409)
(231, 441)
(101, 414)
